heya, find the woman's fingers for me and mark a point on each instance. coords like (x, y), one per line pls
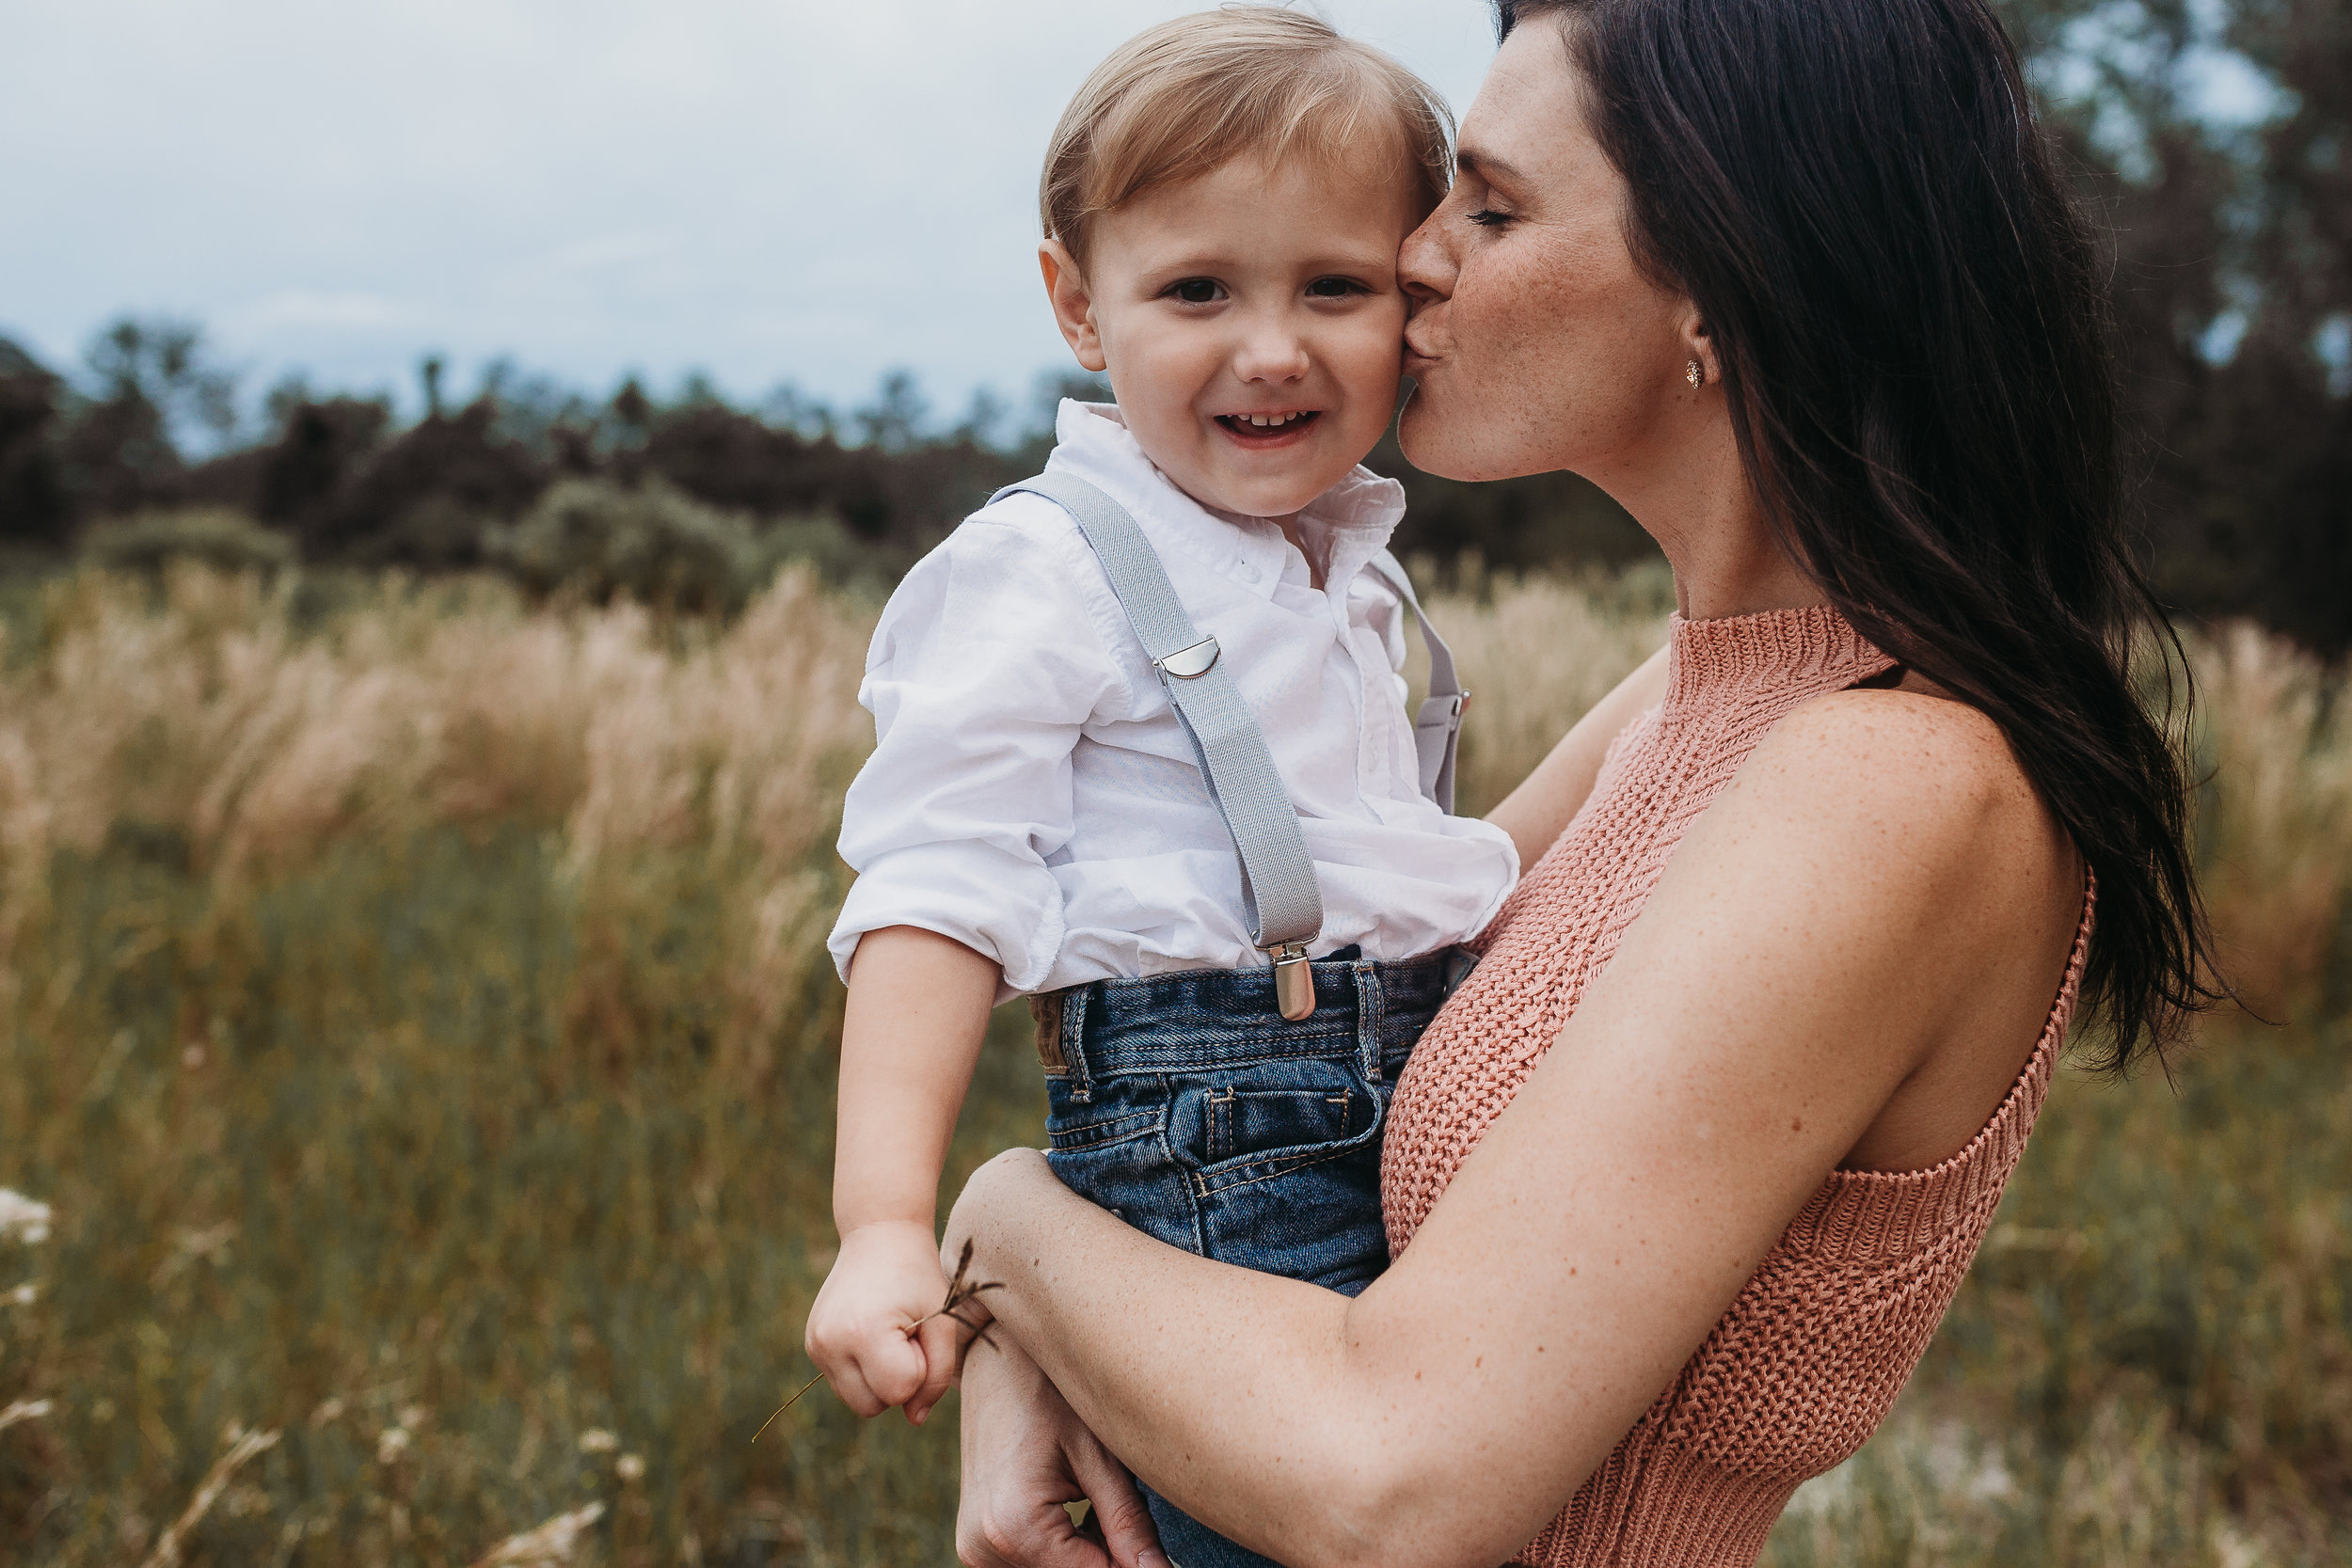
(1010, 1515)
(1041, 1538)
(1020, 1439)
(1118, 1511)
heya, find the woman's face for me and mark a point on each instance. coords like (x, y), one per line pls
(1535, 343)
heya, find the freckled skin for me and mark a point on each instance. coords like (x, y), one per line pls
(1538, 343)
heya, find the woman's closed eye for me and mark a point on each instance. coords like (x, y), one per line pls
(1490, 218)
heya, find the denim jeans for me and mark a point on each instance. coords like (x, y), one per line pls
(1189, 1108)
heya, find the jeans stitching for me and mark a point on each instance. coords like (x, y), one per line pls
(1199, 1247)
(1094, 1135)
(1201, 1185)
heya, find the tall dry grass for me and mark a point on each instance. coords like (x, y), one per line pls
(413, 1010)
(200, 720)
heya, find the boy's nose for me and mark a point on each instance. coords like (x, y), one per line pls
(1271, 352)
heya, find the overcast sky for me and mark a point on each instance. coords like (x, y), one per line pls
(813, 191)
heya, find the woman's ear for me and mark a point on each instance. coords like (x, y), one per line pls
(1073, 307)
(1698, 346)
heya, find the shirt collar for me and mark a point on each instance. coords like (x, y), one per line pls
(1356, 517)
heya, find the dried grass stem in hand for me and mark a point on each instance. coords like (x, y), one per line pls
(960, 1290)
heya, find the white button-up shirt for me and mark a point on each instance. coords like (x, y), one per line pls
(1032, 796)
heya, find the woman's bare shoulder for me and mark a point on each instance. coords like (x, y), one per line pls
(1953, 858)
(1911, 752)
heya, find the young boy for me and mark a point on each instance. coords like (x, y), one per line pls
(1142, 748)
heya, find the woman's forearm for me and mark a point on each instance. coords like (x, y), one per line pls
(1290, 1432)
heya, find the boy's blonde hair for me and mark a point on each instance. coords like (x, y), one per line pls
(1189, 96)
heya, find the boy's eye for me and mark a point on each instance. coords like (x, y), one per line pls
(1195, 290)
(1333, 288)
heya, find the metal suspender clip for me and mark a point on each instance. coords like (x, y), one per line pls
(1190, 664)
(1293, 982)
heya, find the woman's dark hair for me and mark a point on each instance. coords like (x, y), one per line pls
(1910, 321)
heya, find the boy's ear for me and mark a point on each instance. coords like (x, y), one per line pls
(1073, 307)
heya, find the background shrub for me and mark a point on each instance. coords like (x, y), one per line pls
(211, 535)
(647, 540)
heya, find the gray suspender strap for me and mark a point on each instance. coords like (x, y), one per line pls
(1278, 876)
(1437, 729)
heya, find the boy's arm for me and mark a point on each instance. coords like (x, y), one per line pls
(918, 1008)
(991, 659)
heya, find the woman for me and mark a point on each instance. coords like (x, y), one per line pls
(1682, 1180)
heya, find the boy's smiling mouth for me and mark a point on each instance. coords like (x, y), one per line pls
(1269, 428)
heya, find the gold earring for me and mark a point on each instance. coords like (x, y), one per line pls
(1695, 374)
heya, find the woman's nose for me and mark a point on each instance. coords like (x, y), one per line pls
(1423, 270)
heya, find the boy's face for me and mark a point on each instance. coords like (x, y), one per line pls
(1247, 295)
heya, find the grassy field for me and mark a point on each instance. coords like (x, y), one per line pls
(414, 1020)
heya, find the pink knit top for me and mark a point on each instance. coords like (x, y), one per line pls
(1810, 1355)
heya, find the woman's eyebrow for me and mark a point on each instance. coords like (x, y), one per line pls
(1470, 160)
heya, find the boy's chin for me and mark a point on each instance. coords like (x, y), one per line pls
(1270, 492)
(1261, 500)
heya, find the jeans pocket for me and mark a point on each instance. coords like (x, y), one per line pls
(1250, 1122)
(1247, 1122)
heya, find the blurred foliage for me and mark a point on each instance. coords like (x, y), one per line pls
(214, 535)
(650, 542)
(414, 1013)
(2215, 140)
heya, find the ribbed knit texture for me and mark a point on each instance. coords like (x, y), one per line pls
(1809, 1357)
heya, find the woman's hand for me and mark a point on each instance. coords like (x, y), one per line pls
(1026, 1453)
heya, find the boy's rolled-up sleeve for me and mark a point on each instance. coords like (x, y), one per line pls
(986, 665)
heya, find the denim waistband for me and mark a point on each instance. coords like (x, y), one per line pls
(1200, 1019)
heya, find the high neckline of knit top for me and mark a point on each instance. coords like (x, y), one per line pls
(1712, 659)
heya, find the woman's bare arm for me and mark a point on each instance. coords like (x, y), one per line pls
(1538, 811)
(1831, 924)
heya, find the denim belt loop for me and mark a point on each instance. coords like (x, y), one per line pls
(1073, 1041)
(1368, 1017)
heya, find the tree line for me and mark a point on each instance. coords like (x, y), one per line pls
(342, 481)
(2230, 234)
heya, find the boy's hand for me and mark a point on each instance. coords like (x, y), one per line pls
(862, 1332)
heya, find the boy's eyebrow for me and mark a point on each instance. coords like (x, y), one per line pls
(1340, 259)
